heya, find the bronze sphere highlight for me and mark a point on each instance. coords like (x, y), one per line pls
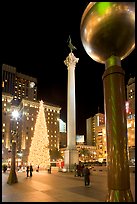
(108, 28)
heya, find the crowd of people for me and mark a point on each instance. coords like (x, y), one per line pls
(80, 170)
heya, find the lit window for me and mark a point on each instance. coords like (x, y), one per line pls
(27, 118)
(31, 128)
(3, 124)
(32, 119)
(26, 138)
(4, 104)
(3, 130)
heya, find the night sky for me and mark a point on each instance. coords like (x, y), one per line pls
(34, 40)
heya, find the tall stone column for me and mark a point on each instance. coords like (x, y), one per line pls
(71, 153)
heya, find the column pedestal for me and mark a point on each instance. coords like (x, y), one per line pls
(70, 157)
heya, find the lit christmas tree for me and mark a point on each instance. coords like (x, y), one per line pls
(39, 150)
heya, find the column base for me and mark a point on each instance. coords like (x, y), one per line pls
(12, 177)
(70, 158)
(119, 196)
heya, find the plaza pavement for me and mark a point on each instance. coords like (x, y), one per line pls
(57, 187)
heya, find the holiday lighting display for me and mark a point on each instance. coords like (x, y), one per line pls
(39, 150)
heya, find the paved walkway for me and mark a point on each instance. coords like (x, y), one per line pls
(57, 187)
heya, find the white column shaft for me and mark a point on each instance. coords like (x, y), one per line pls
(71, 111)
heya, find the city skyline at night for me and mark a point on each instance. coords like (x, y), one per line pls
(36, 43)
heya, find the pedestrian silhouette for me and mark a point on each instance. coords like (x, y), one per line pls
(27, 170)
(31, 170)
(86, 173)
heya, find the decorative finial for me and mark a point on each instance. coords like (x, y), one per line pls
(70, 45)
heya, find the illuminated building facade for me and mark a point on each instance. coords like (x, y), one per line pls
(25, 125)
(91, 124)
(130, 110)
(101, 146)
(18, 85)
(63, 134)
(131, 96)
(84, 158)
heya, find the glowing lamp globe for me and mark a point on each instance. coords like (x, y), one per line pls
(15, 114)
(108, 28)
(32, 84)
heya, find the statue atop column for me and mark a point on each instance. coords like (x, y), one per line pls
(71, 60)
(70, 45)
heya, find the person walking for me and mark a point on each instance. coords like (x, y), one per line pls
(86, 173)
(31, 170)
(27, 170)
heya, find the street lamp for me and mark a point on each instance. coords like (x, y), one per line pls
(108, 36)
(12, 175)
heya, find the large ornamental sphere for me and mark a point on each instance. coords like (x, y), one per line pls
(108, 28)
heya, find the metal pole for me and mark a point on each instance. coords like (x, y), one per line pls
(116, 132)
